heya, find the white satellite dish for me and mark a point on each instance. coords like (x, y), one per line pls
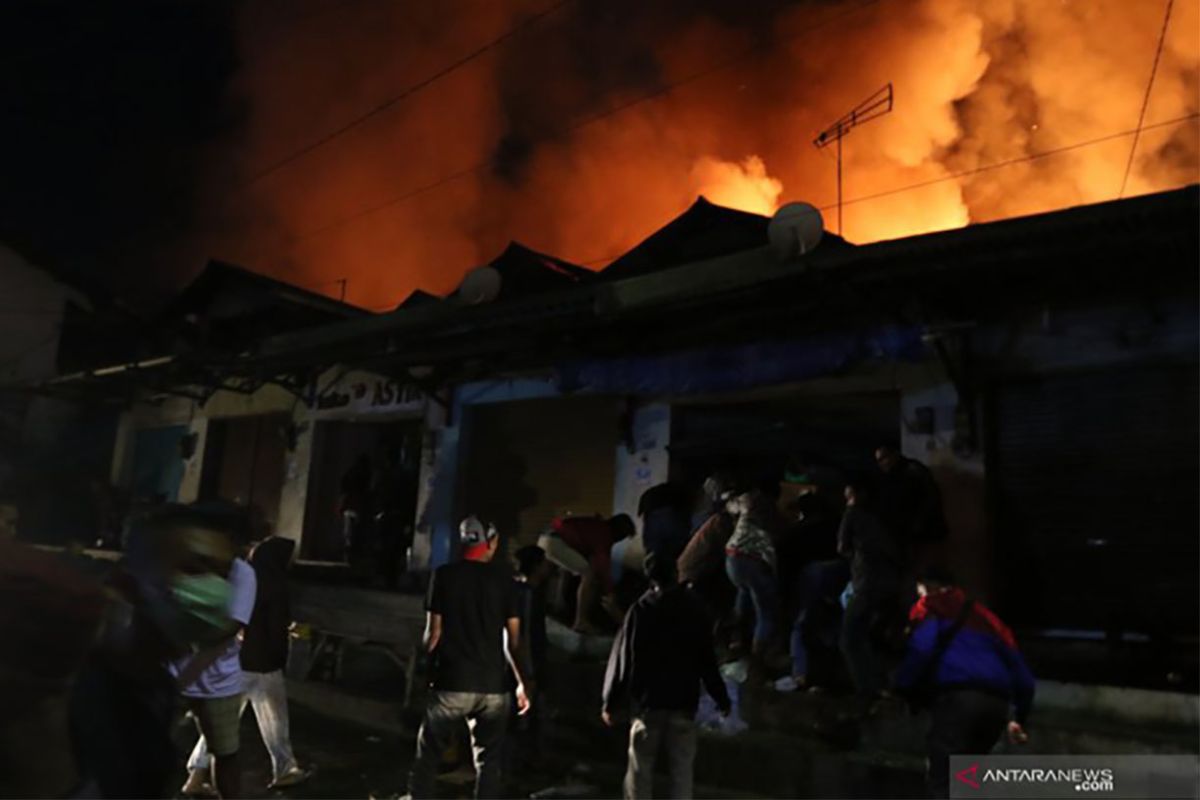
(794, 230)
(481, 285)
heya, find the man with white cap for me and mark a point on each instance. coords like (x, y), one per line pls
(472, 624)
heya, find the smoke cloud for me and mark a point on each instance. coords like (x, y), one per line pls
(977, 82)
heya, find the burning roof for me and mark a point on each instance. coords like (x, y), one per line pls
(524, 271)
(705, 230)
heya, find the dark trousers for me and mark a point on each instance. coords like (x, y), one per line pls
(757, 593)
(819, 587)
(486, 715)
(673, 732)
(872, 598)
(964, 722)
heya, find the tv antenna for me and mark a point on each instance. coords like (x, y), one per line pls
(876, 105)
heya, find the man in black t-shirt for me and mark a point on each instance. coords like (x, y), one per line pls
(472, 625)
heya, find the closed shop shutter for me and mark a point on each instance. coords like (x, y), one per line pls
(244, 462)
(1095, 478)
(529, 461)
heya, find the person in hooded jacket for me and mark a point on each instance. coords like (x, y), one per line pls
(264, 655)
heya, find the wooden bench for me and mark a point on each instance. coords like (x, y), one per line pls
(390, 623)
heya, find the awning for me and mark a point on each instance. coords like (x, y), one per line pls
(721, 369)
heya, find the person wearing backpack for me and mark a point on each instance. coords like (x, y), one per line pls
(962, 663)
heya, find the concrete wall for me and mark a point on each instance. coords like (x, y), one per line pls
(643, 461)
(31, 313)
(50, 449)
(1051, 341)
(639, 464)
(450, 438)
(959, 474)
(350, 396)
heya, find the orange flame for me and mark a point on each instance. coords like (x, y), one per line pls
(745, 186)
(977, 83)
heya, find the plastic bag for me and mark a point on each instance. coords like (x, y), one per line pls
(709, 717)
(736, 671)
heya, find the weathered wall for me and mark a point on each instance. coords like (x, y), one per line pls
(440, 492)
(348, 396)
(51, 451)
(960, 475)
(31, 314)
(643, 460)
(533, 460)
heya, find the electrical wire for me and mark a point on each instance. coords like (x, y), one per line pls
(967, 173)
(1162, 38)
(758, 50)
(1010, 162)
(407, 92)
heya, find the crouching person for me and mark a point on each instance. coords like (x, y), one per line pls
(472, 624)
(661, 655)
(963, 664)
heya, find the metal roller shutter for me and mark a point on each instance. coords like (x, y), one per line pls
(1096, 479)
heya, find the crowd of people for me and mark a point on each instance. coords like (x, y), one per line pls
(812, 583)
(786, 569)
(806, 583)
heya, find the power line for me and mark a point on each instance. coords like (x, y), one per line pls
(1162, 38)
(985, 168)
(407, 92)
(757, 50)
(910, 187)
(1010, 162)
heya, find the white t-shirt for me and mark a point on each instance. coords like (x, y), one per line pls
(223, 677)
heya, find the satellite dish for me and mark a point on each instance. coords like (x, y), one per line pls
(481, 285)
(796, 229)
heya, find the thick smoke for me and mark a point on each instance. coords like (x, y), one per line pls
(976, 82)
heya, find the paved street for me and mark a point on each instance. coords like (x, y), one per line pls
(354, 761)
(359, 761)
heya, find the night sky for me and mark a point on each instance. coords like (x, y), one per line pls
(127, 134)
(111, 111)
(142, 138)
